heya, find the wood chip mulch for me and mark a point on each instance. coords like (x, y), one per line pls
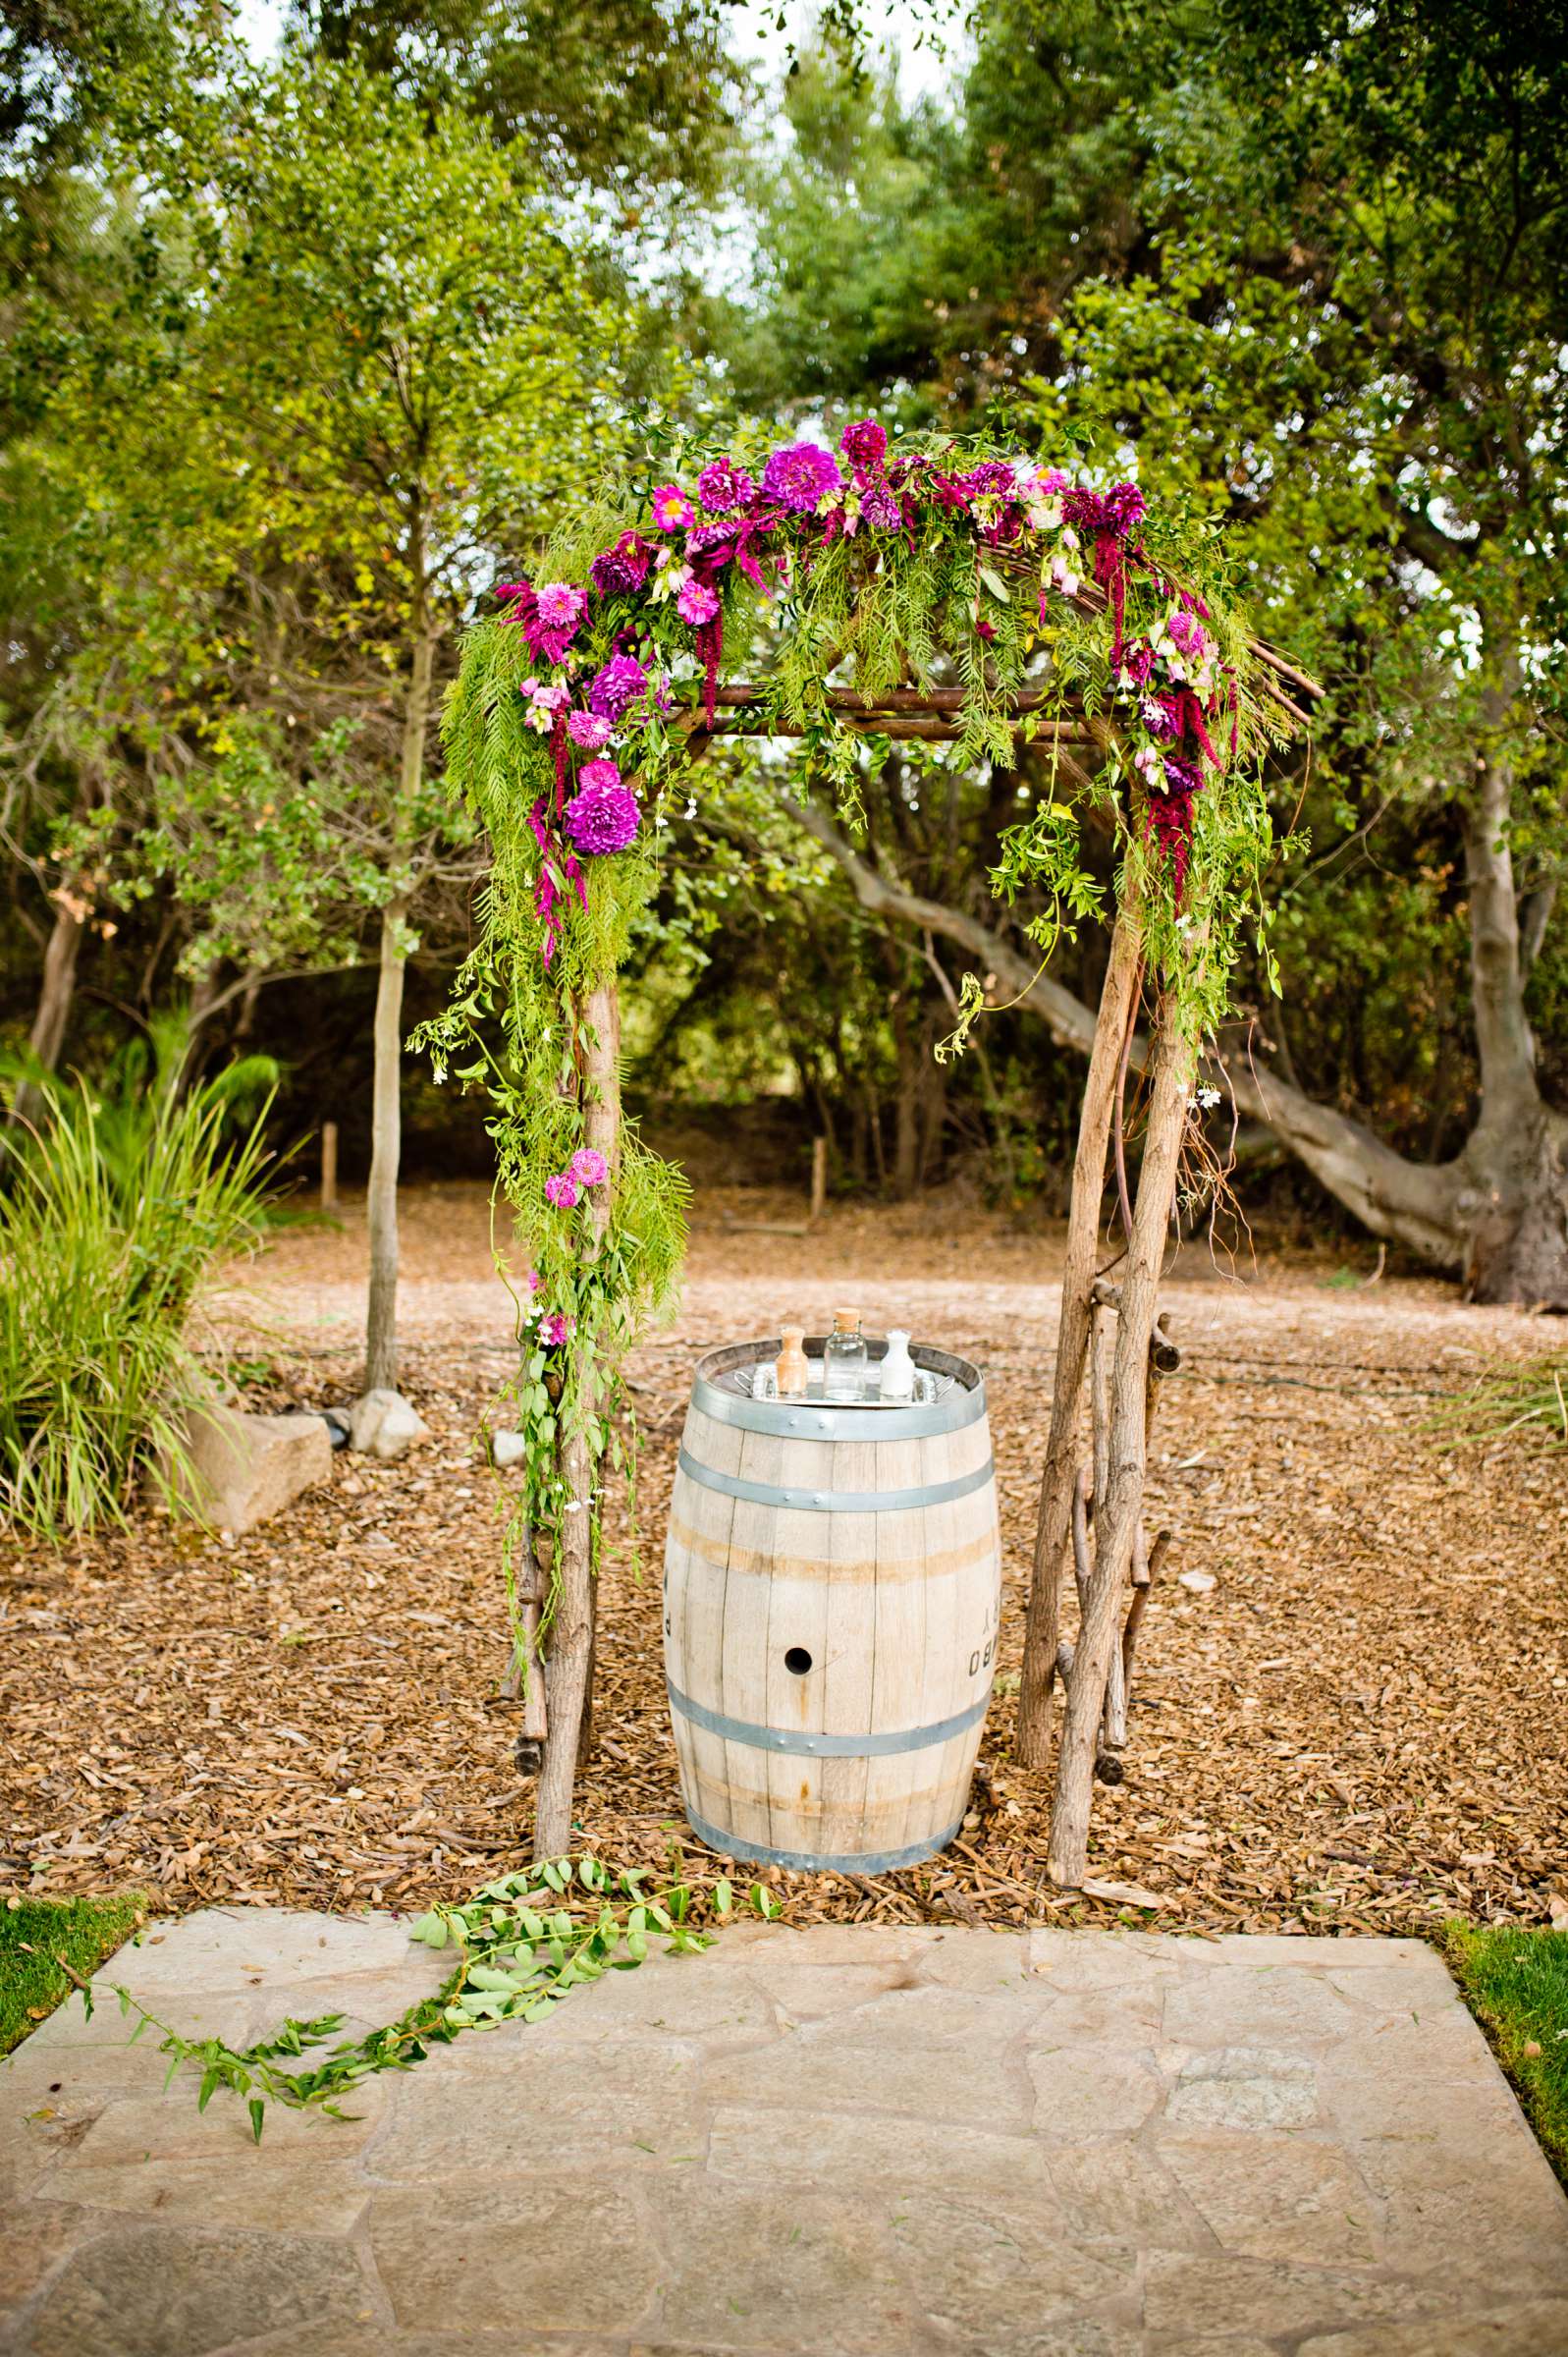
(1357, 1727)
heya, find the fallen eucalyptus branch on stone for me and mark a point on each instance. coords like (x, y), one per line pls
(521, 1943)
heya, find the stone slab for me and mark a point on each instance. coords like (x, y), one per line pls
(846, 2141)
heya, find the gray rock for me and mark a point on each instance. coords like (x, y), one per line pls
(383, 1424)
(242, 1469)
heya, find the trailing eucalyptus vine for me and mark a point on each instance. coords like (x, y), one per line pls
(520, 1945)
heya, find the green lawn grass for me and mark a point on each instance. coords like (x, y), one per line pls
(1516, 1984)
(83, 1931)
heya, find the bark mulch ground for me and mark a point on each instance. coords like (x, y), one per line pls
(1358, 1726)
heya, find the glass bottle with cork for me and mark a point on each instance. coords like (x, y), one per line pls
(845, 1358)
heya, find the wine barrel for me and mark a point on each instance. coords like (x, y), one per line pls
(831, 1594)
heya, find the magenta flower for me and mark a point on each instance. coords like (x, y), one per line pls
(561, 606)
(561, 1192)
(588, 1167)
(621, 569)
(1187, 632)
(800, 475)
(724, 486)
(599, 773)
(534, 1282)
(864, 444)
(1110, 512)
(514, 588)
(590, 730)
(619, 684)
(697, 603)
(603, 817)
(990, 479)
(673, 511)
(879, 506)
(554, 1329)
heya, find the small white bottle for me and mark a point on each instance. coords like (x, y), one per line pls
(897, 1368)
(845, 1358)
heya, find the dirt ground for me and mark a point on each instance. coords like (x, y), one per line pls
(1361, 1725)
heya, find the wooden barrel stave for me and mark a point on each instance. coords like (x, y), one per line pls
(895, 1607)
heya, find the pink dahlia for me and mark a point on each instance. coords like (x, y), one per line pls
(601, 817)
(673, 511)
(864, 444)
(724, 486)
(554, 1329)
(588, 1167)
(619, 684)
(561, 1192)
(561, 606)
(590, 730)
(800, 475)
(697, 603)
(599, 773)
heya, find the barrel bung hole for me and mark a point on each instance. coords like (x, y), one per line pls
(799, 1659)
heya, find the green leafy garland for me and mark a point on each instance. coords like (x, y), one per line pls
(520, 1947)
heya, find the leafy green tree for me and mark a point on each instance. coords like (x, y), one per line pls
(384, 362)
(1335, 322)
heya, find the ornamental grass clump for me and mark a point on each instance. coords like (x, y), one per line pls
(112, 1214)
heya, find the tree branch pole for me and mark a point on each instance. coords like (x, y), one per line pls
(1173, 1068)
(386, 1132)
(55, 995)
(1053, 1521)
(596, 1018)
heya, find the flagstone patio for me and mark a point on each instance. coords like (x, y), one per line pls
(841, 2141)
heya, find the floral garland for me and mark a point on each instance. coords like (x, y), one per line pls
(1171, 691)
(569, 729)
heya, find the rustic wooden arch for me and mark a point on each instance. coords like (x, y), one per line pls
(1110, 1336)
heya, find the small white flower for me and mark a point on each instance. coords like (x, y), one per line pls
(1207, 1098)
(691, 809)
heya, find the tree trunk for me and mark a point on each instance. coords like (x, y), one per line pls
(386, 1145)
(386, 1134)
(1515, 1200)
(55, 994)
(570, 1673)
(1053, 1519)
(1116, 1530)
(1499, 1212)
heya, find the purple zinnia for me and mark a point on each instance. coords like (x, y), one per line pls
(673, 511)
(800, 475)
(590, 730)
(724, 486)
(696, 603)
(561, 1192)
(864, 444)
(879, 506)
(601, 817)
(619, 684)
(588, 1167)
(1186, 631)
(619, 571)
